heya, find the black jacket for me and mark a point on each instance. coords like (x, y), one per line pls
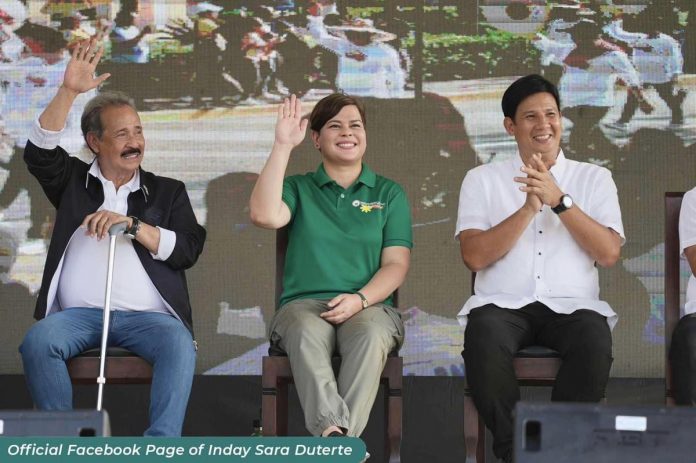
(160, 201)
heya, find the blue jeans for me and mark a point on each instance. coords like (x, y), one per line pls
(159, 338)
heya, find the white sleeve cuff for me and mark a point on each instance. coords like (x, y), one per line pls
(46, 139)
(167, 242)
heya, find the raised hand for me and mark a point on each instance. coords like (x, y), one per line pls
(79, 74)
(291, 127)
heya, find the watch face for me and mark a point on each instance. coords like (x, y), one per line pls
(567, 201)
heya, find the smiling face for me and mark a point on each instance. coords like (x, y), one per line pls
(121, 147)
(342, 140)
(537, 127)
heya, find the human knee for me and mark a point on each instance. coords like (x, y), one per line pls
(484, 330)
(374, 333)
(371, 337)
(38, 341)
(308, 331)
(182, 344)
(593, 341)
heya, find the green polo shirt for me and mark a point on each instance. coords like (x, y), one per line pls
(336, 234)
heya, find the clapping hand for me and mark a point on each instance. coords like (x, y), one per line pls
(539, 182)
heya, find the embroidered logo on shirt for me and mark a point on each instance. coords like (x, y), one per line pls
(368, 207)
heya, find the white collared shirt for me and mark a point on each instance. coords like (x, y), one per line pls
(687, 238)
(79, 280)
(546, 264)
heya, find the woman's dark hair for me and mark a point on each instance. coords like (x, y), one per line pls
(331, 105)
(524, 87)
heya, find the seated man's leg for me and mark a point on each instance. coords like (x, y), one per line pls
(492, 338)
(309, 341)
(364, 341)
(167, 345)
(48, 344)
(583, 339)
(682, 355)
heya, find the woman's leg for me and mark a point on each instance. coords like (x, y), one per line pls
(309, 342)
(364, 342)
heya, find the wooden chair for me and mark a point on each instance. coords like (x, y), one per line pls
(673, 202)
(534, 366)
(277, 375)
(122, 367)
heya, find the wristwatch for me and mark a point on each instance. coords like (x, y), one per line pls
(133, 230)
(365, 304)
(565, 203)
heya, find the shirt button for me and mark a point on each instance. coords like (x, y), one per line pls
(342, 195)
(540, 253)
(540, 232)
(538, 277)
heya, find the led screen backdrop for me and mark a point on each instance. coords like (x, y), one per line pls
(207, 77)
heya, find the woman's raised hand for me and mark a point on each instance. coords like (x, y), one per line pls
(79, 74)
(291, 127)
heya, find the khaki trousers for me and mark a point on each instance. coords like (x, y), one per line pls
(363, 342)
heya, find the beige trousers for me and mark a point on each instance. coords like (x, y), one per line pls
(363, 342)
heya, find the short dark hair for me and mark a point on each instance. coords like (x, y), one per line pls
(524, 87)
(331, 105)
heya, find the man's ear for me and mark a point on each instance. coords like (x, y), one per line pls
(509, 125)
(92, 142)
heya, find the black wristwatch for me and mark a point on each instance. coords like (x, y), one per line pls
(564, 204)
(133, 230)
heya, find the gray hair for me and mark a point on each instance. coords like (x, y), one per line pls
(91, 116)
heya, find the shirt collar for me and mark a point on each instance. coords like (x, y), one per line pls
(367, 176)
(557, 170)
(132, 185)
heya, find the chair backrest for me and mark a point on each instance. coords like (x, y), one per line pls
(673, 202)
(282, 236)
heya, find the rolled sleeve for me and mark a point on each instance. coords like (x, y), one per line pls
(472, 212)
(605, 208)
(45, 139)
(687, 221)
(167, 242)
(397, 228)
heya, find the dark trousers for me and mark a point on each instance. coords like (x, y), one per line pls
(682, 355)
(494, 335)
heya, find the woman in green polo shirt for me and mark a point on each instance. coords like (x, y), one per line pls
(348, 251)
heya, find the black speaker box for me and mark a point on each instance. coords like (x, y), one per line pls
(574, 433)
(63, 424)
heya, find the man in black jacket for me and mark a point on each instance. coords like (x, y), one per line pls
(152, 312)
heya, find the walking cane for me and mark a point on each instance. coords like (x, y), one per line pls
(114, 231)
